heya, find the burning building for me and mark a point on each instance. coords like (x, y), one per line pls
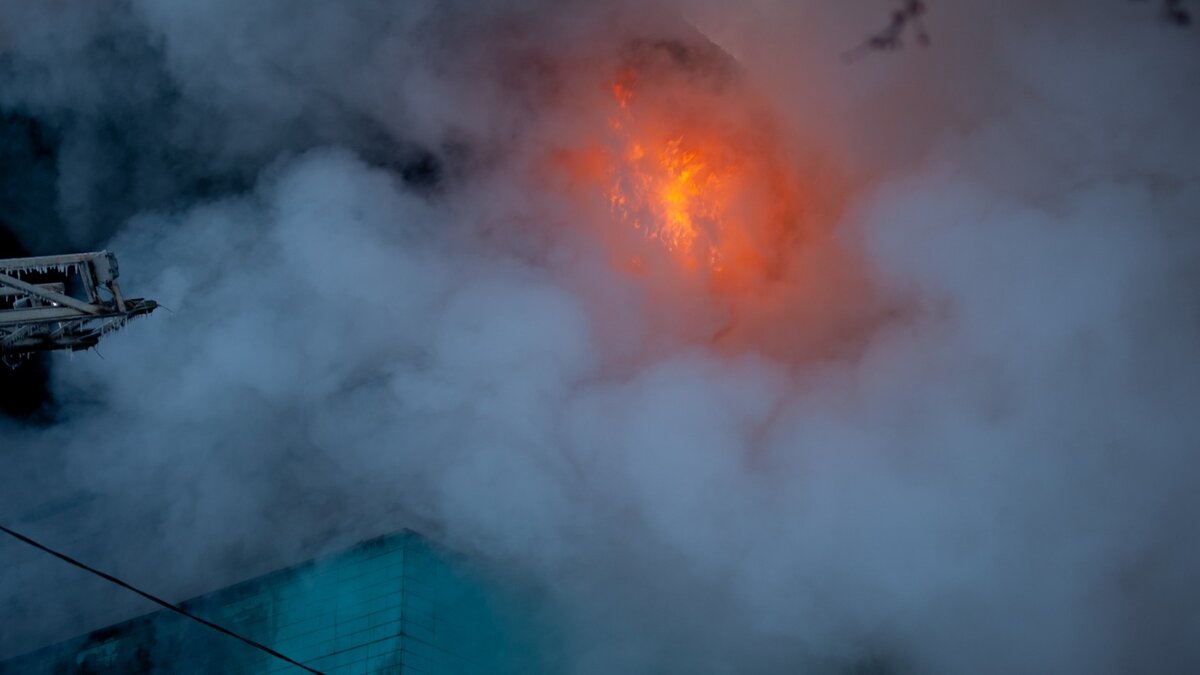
(394, 604)
(749, 358)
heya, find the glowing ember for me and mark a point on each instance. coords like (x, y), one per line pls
(668, 188)
(704, 192)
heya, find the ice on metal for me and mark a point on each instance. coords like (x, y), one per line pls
(61, 302)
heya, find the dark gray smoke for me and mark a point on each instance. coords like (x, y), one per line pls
(388, 313)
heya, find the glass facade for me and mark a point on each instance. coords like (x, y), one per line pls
(395, 604)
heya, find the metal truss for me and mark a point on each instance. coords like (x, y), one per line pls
(61, 302)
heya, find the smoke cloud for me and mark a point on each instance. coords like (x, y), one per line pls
(955, 433)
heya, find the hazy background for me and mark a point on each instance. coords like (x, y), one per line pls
(972, 450)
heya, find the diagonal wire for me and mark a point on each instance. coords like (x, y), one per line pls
(155, 599)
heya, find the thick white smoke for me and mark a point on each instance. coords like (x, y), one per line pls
(996, 474)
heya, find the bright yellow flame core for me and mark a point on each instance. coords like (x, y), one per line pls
(676, 188)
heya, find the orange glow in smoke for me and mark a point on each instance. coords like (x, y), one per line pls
(709, 195)
(722, 211)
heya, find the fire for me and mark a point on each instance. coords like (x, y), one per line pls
(671, 194)
(688, 179)
(682, 174)
(699, 189)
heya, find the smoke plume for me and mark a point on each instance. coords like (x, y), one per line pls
(950, 428)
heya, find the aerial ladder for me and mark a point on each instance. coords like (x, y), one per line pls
(61, 302)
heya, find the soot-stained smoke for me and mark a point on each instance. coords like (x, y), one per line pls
(949, 428)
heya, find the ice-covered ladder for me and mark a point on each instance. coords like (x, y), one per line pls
(58, 302)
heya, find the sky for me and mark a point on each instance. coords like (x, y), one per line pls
(907, 383)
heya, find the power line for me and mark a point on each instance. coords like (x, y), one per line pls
(155, 599)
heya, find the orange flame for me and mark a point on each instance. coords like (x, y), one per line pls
(684, 185)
